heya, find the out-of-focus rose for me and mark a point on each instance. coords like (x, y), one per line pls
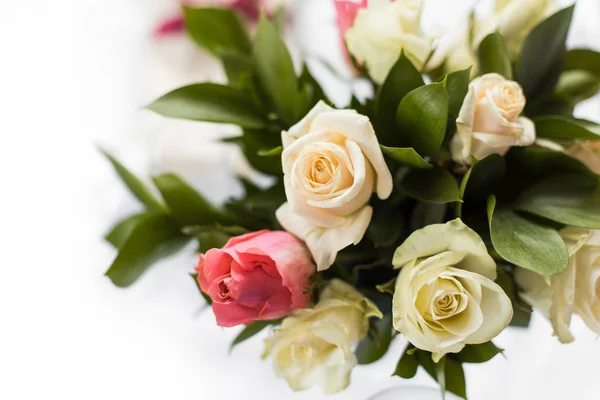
(314, 346)
(489, 121)
(332, 164)
(257, 276)
(250, 9)
(513, 19)
(588, 152)
(445, 295)
(576, 290)
(382, 30)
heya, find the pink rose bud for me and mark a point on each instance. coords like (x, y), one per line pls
(346, 11)
(256, 276)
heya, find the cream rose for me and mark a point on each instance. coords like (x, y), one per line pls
(382, 30)
(445, 295)
(576, 290)
(332, 164)
(314, 346)
(489, 121)
(588, 152)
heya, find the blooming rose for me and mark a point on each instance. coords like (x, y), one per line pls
(588, 152)
(382, 30)
(256, 276)
(576, 290)
(332, 164)
(314, 346)
(489, 122)
(513, 19)
(445, 296)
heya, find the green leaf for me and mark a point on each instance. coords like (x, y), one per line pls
(119, 233)
(217, 30)
(155, 236)
(251, 144)
(407, 156)
(407, 365)
(238, 68)
(555, 127)
(210, 102)
(187, 206)
(583, 59)
(204, 295)
(251, 330)
(526, 243)
(478, 353)
(275, 70)
(377, 342)
(542, 54)
(386, 224)
(568, 199)
(312, 87)
(536, 163)
(521, 310)
(576, 85)
(276, 151)
(457, 86)
(425, 214)
(402, 78)
(483, 177)
(453, 373)
(421, 117)
(493, 56)
(135, 185)
(434, 185)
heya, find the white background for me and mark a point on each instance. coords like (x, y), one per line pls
(74, 74)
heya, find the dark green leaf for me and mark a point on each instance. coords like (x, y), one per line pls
(536, 163)
(434, 185)
(210, 102)
(407, 365)
(187, 206)
(251, 144)
(217, 30)
(135, 185)
(232, 230)
(568, 199)
(525, 243)
(386, 224)
(312, 87)
(554, 127)
(407, 156)
(402, 78)
(493, 56)
(275, 70)
(542, 54)
(204, 295)
(421, 117)
(453, 373)
(119, 233)
(583, 59)
(457, 86)
(155, 236)
(212, 240)
(521, 310)
(483, 177)
(251, 330)
(426, 213)
(238, 68)
(276, 151)
(478, 353)
(576, 85)
(377, 342)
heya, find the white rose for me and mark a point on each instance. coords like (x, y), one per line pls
(588, 152)
(332, 164)
(576, 290)
(513, 19)
(489, 122)
(445, 295)
(382, 30)
(314, 346)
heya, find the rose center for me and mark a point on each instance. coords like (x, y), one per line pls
(322, 171)
(224, 289)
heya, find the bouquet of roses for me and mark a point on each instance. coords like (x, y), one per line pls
(463, 193)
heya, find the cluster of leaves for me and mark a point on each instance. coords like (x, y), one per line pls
(516, 203)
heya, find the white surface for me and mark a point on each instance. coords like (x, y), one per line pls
(71, 75)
